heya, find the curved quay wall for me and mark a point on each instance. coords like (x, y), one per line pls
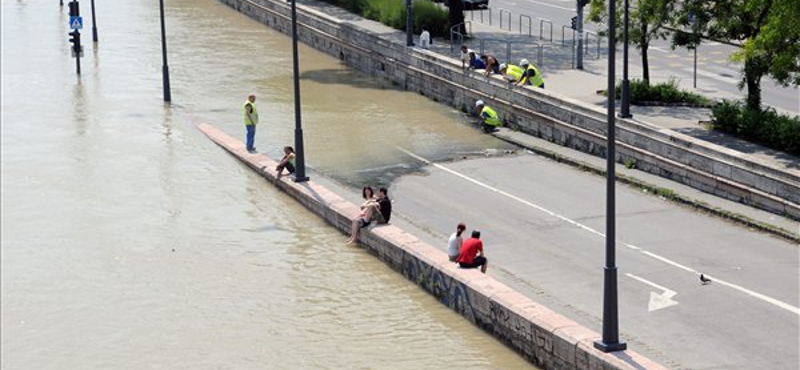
(548, 115)
(542, 336)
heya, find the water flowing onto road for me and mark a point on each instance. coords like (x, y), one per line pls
(129, 241)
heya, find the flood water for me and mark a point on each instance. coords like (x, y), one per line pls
(129, 241)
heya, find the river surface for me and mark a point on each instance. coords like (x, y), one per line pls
(129, 241)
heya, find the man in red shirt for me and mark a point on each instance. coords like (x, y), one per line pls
(471, 255)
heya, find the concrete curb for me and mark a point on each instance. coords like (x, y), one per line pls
(661, 191)
(542, 336)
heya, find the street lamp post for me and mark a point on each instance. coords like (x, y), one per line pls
(610, 341)
(165, 68)
(94, 24)
(409, 23)
(300, 162)
(625, 110)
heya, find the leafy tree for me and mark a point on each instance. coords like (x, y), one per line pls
(646, 22)
(456, 15)
(769, 31)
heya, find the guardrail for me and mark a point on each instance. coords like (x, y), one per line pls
(564, 40)
(586, 46)
(456, 35)
(530, 24)
(508, 46)
(480, 11)
(501, 18)
(542, 22)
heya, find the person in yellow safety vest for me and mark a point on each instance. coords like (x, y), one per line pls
(250, 121)
(511, 72)
(489, 119)
(532, 76)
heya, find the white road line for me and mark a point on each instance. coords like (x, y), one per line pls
(551, 5)
(650, 283)
(659, 49)
(775, 302)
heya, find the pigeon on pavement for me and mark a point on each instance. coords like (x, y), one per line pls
(704, 280)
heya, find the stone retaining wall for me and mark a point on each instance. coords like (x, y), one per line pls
(541, 113)
(543, 337)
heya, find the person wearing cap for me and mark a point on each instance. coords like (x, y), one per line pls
(471, 254)
(250, 121)
(511, 72)
(531, 76)
(490, 120)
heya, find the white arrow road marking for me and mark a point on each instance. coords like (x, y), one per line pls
(657, 301)
(793, 309)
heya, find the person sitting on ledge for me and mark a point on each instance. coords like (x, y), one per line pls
(471, 255)
(379, 210)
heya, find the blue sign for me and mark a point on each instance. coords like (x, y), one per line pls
(76, 23)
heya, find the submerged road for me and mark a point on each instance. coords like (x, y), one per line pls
(543, 225)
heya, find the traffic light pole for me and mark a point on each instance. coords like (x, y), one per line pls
(77, 49)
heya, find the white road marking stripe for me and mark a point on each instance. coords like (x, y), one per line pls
(749, 292)
(552, 6)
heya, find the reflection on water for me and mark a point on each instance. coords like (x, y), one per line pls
(130, 241)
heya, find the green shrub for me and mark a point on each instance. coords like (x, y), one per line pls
(667, 92)
(393, 14)
(778, 131)
(431, 16)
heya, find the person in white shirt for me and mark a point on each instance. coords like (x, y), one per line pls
(425, 39)
(454, 243)
(465, 56)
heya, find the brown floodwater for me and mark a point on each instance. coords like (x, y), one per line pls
(129, 241)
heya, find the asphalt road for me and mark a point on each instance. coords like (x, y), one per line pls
(716, 74)
(543, 226)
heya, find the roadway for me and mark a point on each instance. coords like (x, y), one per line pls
(543, 225)
(716, 74)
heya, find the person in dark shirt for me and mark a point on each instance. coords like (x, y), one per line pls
(379, 210)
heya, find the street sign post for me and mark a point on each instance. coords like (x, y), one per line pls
(76, 22)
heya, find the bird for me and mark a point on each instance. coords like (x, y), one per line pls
(704, 280)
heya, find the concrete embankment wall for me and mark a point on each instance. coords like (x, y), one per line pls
(542, 336)
(545, 114)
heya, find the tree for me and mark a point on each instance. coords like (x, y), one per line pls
(457, 15)
(647, 19)
(768, 30)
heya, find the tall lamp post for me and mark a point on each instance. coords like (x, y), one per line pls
(94, 24)
(165, 68)
(610, 341)
(300, 162)
(409, 23)
(625, 110)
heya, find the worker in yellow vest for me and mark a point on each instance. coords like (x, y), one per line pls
(489, 119)
(511, 72)
(250, 121)
(532, 76)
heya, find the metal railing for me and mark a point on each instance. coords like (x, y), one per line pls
(480, 11)
(501, 18)
(563, 39)
(456, 37)
(596, 36)
(508, 46)
(542, 22)
(530, 24)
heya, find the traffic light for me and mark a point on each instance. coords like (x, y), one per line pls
(74, 11)
(75, 39)
(575, 23)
